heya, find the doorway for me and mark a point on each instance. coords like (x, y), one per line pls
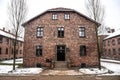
(60, 52)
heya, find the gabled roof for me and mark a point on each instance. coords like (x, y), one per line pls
(116, 33)
(10, 35)
(61, 9)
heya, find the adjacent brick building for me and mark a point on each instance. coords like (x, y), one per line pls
(6, 45)
(60, 34)
(112, 46)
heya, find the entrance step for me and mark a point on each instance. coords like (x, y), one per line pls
(61, 65)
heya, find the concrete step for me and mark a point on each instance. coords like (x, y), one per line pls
(60, 65)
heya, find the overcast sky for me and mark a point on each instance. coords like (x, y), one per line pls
(35, 7)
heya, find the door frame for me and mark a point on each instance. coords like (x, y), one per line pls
(65, 51)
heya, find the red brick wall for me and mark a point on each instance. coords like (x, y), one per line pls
(111, 47)
(50, 40)
(9, 45)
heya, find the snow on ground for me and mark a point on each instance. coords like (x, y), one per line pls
(108, 60)
(93, 70)
(27, 71)
(7, 69)
(112, 66)
(18, 61)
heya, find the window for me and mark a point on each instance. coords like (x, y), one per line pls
(108, 43)
(20, 43)
(109, 51)
(81, 32)
(104, 43)
(12, 51)
(82, 50)
(67, 16)
(1, 38)
(61, 32)
(7, 40)
(119, 51)
(16, 51)
(83, 65)
(40, 32)
(113, 42)
(114, 51)
(6, 50)
(39, 50)
(118, 40)
(0, 51)
(38, 65)
(54, 17)
(20, 51)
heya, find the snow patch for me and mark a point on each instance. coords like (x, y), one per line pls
(28, 71)
(6, 68)
(18, 61)
(93, 71)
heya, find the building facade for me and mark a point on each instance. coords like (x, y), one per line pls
(60, 34)
(112, 46)
(6, 45)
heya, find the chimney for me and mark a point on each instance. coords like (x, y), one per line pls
(3, 29)
(112, 30)
(9, 31)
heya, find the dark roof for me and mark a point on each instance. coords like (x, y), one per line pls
(61, 9)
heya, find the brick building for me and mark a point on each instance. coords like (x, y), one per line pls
(112, 46)
(60, 34)
(6, 45)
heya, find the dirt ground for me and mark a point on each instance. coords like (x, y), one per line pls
(60, 77)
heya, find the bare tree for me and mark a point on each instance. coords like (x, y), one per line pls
(96, 11)
(17, 10)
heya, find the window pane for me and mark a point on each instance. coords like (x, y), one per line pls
(82, 32)
(1, 38)
(0, 51)
(39, 51)
(54, 16)
(61, 32)
(67, 16)
(119, 51)
(82, 50)
(39, 31)
(118, 40)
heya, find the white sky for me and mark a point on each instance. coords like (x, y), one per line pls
(35, 7)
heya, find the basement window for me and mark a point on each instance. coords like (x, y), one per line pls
(82, 50)
(83, 65)
(39, 50)
(38, 65)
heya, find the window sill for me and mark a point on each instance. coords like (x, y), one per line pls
(82, 36)
(39, 36)
(60, 37)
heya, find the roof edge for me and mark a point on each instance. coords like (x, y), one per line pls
(69, 10)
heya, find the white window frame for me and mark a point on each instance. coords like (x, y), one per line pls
(54, 16)
(67, 16)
